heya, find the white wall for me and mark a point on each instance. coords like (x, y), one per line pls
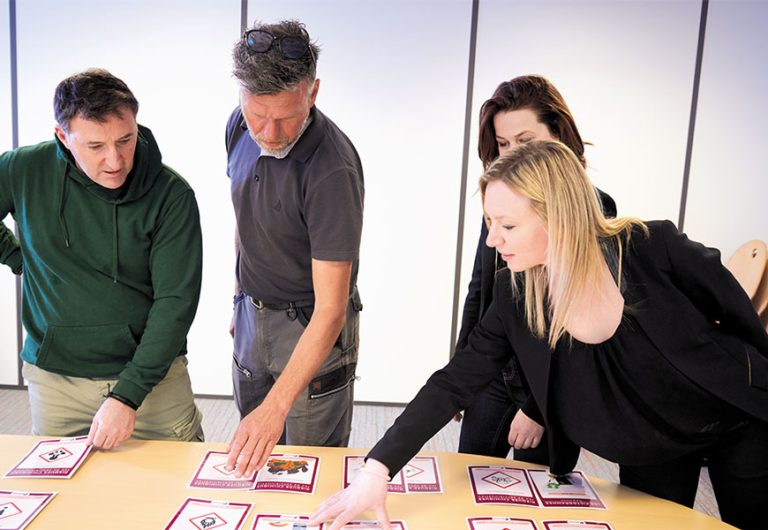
(729, 180)
(395, 81)
(175, 56)
(8, 352)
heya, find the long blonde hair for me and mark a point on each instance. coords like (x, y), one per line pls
(551, 176)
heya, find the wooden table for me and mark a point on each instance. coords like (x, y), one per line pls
(142, 484)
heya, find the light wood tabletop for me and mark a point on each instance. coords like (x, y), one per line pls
(143, 483)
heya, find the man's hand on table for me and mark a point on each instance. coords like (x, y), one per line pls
(112, 425)
(254, 439)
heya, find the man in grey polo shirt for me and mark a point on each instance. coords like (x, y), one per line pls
(297, 189)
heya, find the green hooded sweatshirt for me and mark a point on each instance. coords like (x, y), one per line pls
(111, 284)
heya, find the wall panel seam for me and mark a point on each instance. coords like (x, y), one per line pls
(692, 119)
(464, 170)
(14, 145)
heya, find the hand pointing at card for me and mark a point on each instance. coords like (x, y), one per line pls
(367, 492)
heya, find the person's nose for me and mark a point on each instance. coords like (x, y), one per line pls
(271, 131)
(113, 159)
(493, 240)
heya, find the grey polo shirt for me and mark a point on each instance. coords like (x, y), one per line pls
(291, 210)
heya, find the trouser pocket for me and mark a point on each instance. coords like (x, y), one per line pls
(332, 382)
(244, 340)
(323, 416)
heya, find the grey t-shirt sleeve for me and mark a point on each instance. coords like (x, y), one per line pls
(334, 215)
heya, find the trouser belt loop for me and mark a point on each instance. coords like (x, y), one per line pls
(258, 304)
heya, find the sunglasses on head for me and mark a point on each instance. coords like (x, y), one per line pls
(291, 46)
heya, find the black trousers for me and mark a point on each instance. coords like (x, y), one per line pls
(738, 468)
(485, 427)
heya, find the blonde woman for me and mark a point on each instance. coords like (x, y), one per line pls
(637, 344)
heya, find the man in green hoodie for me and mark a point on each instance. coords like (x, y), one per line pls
(110, 253)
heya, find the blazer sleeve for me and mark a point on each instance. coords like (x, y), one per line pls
(700, 274)
(472, 309)
(447, 391)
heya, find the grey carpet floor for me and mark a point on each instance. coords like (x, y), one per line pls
(369, 422)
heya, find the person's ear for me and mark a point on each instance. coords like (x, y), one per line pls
(313, 95)
(61, 135)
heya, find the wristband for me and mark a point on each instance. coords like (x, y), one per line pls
(123, 400)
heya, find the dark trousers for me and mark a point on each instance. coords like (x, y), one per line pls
(485, 427)
(738, 467)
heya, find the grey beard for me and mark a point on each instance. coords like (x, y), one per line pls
(282, 153)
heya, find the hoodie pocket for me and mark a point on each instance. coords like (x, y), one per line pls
(86, 351)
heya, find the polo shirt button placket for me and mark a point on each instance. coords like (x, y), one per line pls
(256, 178)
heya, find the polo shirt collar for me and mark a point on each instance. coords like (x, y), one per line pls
(310, 139)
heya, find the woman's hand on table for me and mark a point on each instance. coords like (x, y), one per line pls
(366, 492)
(524, 433)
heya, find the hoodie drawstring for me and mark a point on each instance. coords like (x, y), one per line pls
(114, 242)
(62, 222)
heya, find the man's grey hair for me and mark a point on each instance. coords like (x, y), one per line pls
(270, 73)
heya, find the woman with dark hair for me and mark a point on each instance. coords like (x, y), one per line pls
(637, 343)
(523, 109)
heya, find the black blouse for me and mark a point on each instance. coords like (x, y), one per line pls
(624, 401)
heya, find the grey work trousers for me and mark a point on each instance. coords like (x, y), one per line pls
(264, 341)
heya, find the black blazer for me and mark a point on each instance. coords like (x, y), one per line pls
(682, 296)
